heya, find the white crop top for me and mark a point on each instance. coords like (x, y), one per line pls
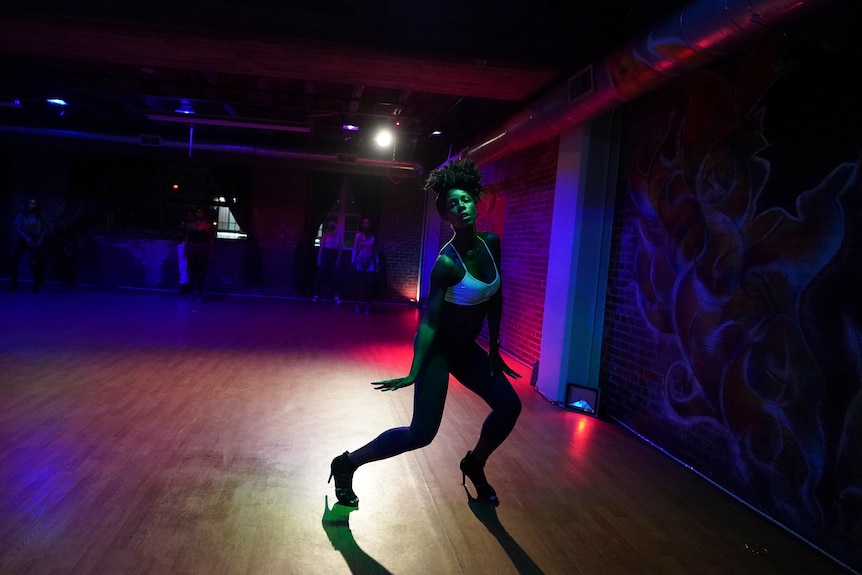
(471, 291)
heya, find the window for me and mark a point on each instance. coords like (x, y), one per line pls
(345, 212)
(151, 197)
(225, 222)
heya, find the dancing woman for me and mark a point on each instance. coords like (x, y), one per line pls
(465, 289)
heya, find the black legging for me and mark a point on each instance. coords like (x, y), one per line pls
(470, 367)
(198, 256)
(364, 286)
(327, 272)
(37, 262)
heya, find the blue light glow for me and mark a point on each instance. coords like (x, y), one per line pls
(185, 107)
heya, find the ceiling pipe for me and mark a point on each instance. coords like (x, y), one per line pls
(701, 33)
(348, 162)
(250, 124)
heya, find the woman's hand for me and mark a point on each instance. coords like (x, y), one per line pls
(497, 364)
(393, 384)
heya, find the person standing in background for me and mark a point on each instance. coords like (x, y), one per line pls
(198, 248)
(182, 262)
(365, 264)
(328, 262)
(29, 228)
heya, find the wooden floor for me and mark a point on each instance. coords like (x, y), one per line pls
(143, 433)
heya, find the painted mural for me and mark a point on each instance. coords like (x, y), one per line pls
(751, 279)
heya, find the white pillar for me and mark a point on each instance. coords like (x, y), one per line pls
(431, 244)
(578, 258)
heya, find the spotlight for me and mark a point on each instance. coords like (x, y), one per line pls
(350, 127)
(56, 101)
(383, 138)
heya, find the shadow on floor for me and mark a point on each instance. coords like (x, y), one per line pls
(337, 527)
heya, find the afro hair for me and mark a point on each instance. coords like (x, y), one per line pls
(460, 175)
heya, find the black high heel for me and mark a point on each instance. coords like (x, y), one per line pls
(342, 469)
(475, 470)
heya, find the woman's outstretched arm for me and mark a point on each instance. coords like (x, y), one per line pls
(441, 276)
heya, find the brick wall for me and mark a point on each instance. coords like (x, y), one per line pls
(525, 182)
(400, 232)
(732, 316)
(277, 222)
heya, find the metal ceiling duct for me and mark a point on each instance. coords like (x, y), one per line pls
(700, 33)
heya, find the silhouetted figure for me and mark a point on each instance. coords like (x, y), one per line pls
(328, 262)
(29, 230)
(365, 265)
(198, 249)
(182, 262)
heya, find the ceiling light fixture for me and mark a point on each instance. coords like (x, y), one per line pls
(185, 107)
(383, 138)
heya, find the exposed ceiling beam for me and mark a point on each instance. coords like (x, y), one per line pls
(193, 50)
